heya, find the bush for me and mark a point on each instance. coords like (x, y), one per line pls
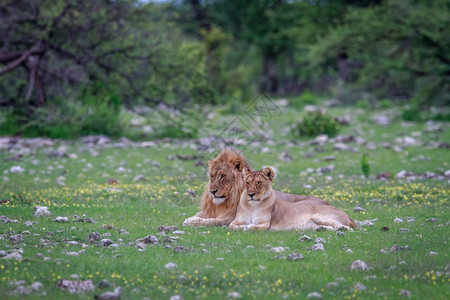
(317, 123)
(304, 99)
(96, 113)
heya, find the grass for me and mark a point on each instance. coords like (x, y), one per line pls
(248, 266)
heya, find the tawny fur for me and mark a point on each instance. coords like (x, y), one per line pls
(260, 208)
(230, 163)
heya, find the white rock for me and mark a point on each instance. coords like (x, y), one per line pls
(397, 220)
(171, 265)
(234, 295)
(360, 287)
(359, 265)
(41, 211)
(314, 295)
(318, 247)
(62, 219)
(17, 169)
(13, 255)
(37, 286)
(277, 249)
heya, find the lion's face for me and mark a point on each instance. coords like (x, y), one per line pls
(221, 178)
(258, 185)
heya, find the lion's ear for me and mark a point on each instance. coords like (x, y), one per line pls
(245, 171)
(237, 164)
(268, 173)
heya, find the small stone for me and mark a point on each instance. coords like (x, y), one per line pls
(359, 265)
(370, 277)
(305, 238)
(93, 237)
(319, 240)
(123, 231)
(17, 169)
(110, 295)
(432, 220)
(14, 239)
(314, 295)
(318, 247)
(180, 232)
(383, 251)
(295, 256)
(13, 255)
(349, 251)
(405, 293)
(397, 220)
(166, 229)
(170, 265)
(176, 297)
(404, 230)
(220, 259)
(410, 220)
(104, 284)
(278, 249)
(340, 233)
(37, 286)
(149, 239)
(234, 295)
(433, 253)
(41, 211)
(332, 285)
(105, 242)
(358, 209)
(62, 219)
(28, 224)
(139, 177)
(360, 287)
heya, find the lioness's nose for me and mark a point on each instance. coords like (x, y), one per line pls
(251, 195)
(214, 192)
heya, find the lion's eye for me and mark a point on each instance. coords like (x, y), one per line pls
(247, 183)
(222, 176)
(258, 183)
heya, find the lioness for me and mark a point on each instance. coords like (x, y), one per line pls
(222, 193)
(260, 208)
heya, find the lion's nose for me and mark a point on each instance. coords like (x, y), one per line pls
(214, 192)
(251, 195)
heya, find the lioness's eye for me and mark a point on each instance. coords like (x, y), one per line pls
(247, 183)
(222, 176)
(259, 182)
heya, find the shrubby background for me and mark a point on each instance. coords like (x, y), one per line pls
(71, 68)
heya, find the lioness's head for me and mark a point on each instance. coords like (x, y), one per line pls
(225, 175)
(258, 184)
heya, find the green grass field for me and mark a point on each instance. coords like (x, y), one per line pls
(214, 262)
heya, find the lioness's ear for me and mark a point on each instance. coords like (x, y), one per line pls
(268, 172)
(245, 171)
(238, 164)
(210, 163)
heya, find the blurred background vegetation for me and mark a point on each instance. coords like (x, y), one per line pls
(71, 68)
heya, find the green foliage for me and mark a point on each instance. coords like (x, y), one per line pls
(365, 167)
(363, 104)
(304, 99)
(412, 113)
(316, 123)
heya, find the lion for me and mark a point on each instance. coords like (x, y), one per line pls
(224, 188)
(260, 208)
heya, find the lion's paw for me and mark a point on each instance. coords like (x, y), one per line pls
(192, 221)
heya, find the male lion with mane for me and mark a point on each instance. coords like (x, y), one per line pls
(260, 208)
(224, 188)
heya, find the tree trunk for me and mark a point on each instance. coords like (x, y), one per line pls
(269, 80)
